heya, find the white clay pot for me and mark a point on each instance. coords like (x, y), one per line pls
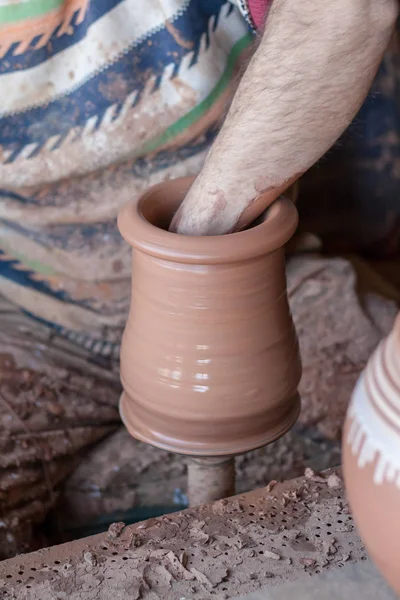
(371, 457)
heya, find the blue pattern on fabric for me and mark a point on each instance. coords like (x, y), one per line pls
(141, 167)
(33, 57)
(37, 125)
(68, 159)
(11, 269)
(101, 349)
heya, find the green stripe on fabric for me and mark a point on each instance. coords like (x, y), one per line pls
(198, 111)
(27, 263)
(27, 10)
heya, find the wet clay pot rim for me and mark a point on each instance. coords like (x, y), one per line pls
(140, 225)
(396, 332)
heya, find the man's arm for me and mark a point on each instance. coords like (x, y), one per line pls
(302, 88)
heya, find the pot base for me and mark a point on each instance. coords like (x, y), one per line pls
(141, 432)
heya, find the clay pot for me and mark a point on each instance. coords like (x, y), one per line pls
(209, 361)
(371, 456)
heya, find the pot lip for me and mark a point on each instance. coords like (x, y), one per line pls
(396, 329)
(270, 235)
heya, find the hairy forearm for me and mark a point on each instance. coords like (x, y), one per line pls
(302, 88)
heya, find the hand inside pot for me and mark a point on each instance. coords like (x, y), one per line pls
(298, 94)
(219, 215)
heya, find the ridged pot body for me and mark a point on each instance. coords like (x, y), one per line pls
(209, 361)
(371, 456)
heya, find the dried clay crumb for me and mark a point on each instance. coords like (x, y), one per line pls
(307, 562)
(309, 474)
(115, 529)
(271, 485)
(273, 555)
(148, 524)
(90, 559)
(133, 541)
(334, 481)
